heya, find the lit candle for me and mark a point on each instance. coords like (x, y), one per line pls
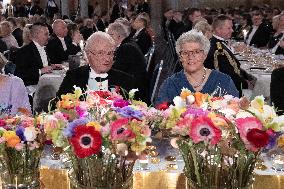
(245, 32)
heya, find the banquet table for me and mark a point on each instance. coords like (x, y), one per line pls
(158, 175)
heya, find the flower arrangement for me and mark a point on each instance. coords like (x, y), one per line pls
(220, 138)
(100, 131)
(21, 145)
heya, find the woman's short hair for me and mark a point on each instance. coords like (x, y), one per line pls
(98, 37)
(193, 36)
(202, 26)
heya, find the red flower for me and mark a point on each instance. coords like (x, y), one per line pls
(103, 94)
(2, 123)
(203, 129)
(86, 141)
(258, 138)
(163, 106)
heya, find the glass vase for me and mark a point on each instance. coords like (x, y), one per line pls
(101, 171)
(206, 167)
(20, 168)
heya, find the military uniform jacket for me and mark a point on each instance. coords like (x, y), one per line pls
(221, 58)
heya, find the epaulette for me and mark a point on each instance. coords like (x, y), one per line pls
(223, 52)
(219, 46)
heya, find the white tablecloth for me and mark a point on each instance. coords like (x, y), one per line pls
(46, 89)
(262, 85)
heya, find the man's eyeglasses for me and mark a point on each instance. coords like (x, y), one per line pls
(187, 54)
(102, 53)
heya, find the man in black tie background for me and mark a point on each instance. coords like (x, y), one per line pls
(99, 74)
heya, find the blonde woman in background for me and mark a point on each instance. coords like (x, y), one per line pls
(27, 34)
(204, 27)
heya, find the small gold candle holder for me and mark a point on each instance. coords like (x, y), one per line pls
(153, 153)
(151, 148)
(170, 158)
(172, 166)
(155, 160)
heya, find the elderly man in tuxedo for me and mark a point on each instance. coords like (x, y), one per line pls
(57, 44)
(31, 60)
(98, 74)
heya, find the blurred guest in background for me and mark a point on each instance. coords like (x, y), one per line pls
(7, 37)
(73, 38)
(102, 23)
(56, 47)
(276, 90)
(141, 36)
(27, 34)
(88, 29)
(128, 58)
(12, 91)
(244, 27)
(31, 60)
(258, 35)
(204, 27)
(276, 42)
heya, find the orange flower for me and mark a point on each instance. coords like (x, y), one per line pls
(12, 141)
(200, 98)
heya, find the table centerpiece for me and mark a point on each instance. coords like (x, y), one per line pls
(21, 145)
(101, 133)
(220, 138)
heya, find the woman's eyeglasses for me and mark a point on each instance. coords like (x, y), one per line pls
(188, 54)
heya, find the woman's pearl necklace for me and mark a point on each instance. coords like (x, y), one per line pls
(203, 78)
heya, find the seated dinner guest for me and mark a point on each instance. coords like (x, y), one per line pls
(31, 60)
(98, 74)
(276, 42)
(57, 48)
(192, 48)
(221, 56)
(276, 90)
(12, 91)
(258, 35)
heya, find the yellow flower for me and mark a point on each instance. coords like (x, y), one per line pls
(258, 103)
(9, 134)
(77, 92)
(138, 147)
(184, 93)
(280, 141)
(139, 103)
(95, 124)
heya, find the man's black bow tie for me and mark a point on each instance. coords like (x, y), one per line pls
(100, 79)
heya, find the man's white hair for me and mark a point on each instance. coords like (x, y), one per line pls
(98, 38)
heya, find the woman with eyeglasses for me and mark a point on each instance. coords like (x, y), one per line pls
(192, 48)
